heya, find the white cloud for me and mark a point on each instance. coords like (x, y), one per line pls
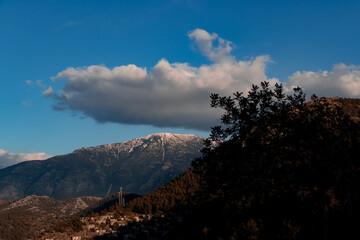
(342, 81)
(8, 158)
(177, 94)
(171, 94)
(205, 43)
(49, 92)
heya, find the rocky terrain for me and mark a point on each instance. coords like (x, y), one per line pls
(139, 166)
(107, 220)
(108, 224)
(31, 216)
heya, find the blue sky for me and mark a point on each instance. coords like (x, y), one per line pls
(84, 73)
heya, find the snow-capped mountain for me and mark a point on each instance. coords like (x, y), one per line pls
(138, 165)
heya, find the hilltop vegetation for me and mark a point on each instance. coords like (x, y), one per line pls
(283, 170)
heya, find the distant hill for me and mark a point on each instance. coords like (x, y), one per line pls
(139, 166)
(28, 217)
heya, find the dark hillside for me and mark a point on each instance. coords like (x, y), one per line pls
(177, 193)
(283, 170)
(349, 106)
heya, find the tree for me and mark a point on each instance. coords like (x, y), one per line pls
(282, 168)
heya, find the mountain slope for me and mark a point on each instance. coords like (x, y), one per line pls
(35, 214)
(139, 166)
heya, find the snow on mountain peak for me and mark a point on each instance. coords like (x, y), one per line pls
(128, 146)
(171, 135)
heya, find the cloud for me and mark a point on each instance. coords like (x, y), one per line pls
(169, 95)
(342, 81)
(204, 42)
(177, 94)
(8, 158)
(49, 92)
(36, 83)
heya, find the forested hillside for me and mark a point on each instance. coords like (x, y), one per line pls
(177, 193)
(284, 169)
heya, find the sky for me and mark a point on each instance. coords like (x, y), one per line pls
(84, 73)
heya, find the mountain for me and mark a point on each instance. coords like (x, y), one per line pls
(139, 166)
(37, 213)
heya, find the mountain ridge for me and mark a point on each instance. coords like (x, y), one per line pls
(139, 165)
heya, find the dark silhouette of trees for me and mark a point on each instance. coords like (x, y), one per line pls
(282, 169)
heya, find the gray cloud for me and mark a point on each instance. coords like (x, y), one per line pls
(170, 95)
(8, 158)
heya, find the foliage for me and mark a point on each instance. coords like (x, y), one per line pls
(74, 225)
(176, 193)
(282, 168)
